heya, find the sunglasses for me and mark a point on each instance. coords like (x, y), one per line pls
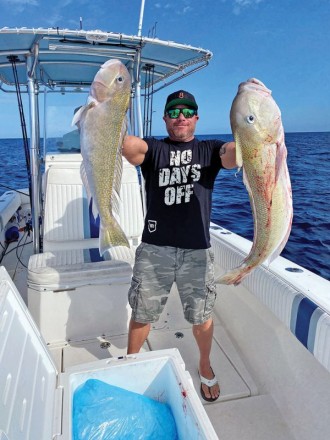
(174, 113)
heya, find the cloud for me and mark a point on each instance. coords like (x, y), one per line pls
(162, 5)
(19, 5)
(239, 5)
(22, 2)
(54, 19)
(186, 9)
(24, 6)
(181, 8)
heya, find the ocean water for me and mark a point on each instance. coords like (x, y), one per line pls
(309, 168)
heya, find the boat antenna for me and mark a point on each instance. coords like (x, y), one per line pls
(80, 23)
(141, 18)
(152, 31)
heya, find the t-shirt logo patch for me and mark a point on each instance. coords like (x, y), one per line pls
(152, 225)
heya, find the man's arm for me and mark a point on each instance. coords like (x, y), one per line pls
(228, 155)
(134, 149)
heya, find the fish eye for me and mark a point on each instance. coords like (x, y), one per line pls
(120, 79)
(250, 119)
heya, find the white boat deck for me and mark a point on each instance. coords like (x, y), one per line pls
(240, 412)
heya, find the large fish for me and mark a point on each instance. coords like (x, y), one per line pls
(260, 149)
(102, 125)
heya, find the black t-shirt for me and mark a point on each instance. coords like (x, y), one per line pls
(179, 179)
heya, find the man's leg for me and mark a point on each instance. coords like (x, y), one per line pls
(137, 334)
(203, 334)
(153, 276)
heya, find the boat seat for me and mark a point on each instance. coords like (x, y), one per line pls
(71, 261)
(68, 219)
(69, 269)
(69, 227)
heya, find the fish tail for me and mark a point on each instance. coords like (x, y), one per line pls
(234, 276)
(111, 235)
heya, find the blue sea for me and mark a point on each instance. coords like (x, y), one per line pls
(309, 167)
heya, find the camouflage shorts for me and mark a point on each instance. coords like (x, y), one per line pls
(157, 268)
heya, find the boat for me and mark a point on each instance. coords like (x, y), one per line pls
(63, 308)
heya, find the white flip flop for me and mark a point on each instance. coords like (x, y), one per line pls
(209, 383)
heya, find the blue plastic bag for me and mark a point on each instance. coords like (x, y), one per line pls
(102, 411)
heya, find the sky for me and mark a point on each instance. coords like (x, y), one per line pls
(284, 43)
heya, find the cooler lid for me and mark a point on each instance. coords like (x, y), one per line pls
(28, 376)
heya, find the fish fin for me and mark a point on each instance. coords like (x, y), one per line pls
(95, 211)
(118, 171)
(111, 235)
(84, 179)
(234, 276)
(239, 159)
(77, 116)
(246, 181)
(281, 246)
(238, 152)
(115, 196)
(281, 154)
(79, 113)
(124, 129)
(250, 192)
(128, 124)
(91, 102)
(254, 211)
(274, 255)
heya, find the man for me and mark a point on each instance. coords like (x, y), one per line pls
(179, 174)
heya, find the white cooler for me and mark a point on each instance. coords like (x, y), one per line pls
(36, 400)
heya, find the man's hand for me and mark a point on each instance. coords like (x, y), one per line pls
(134, 149)
(228, 155)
